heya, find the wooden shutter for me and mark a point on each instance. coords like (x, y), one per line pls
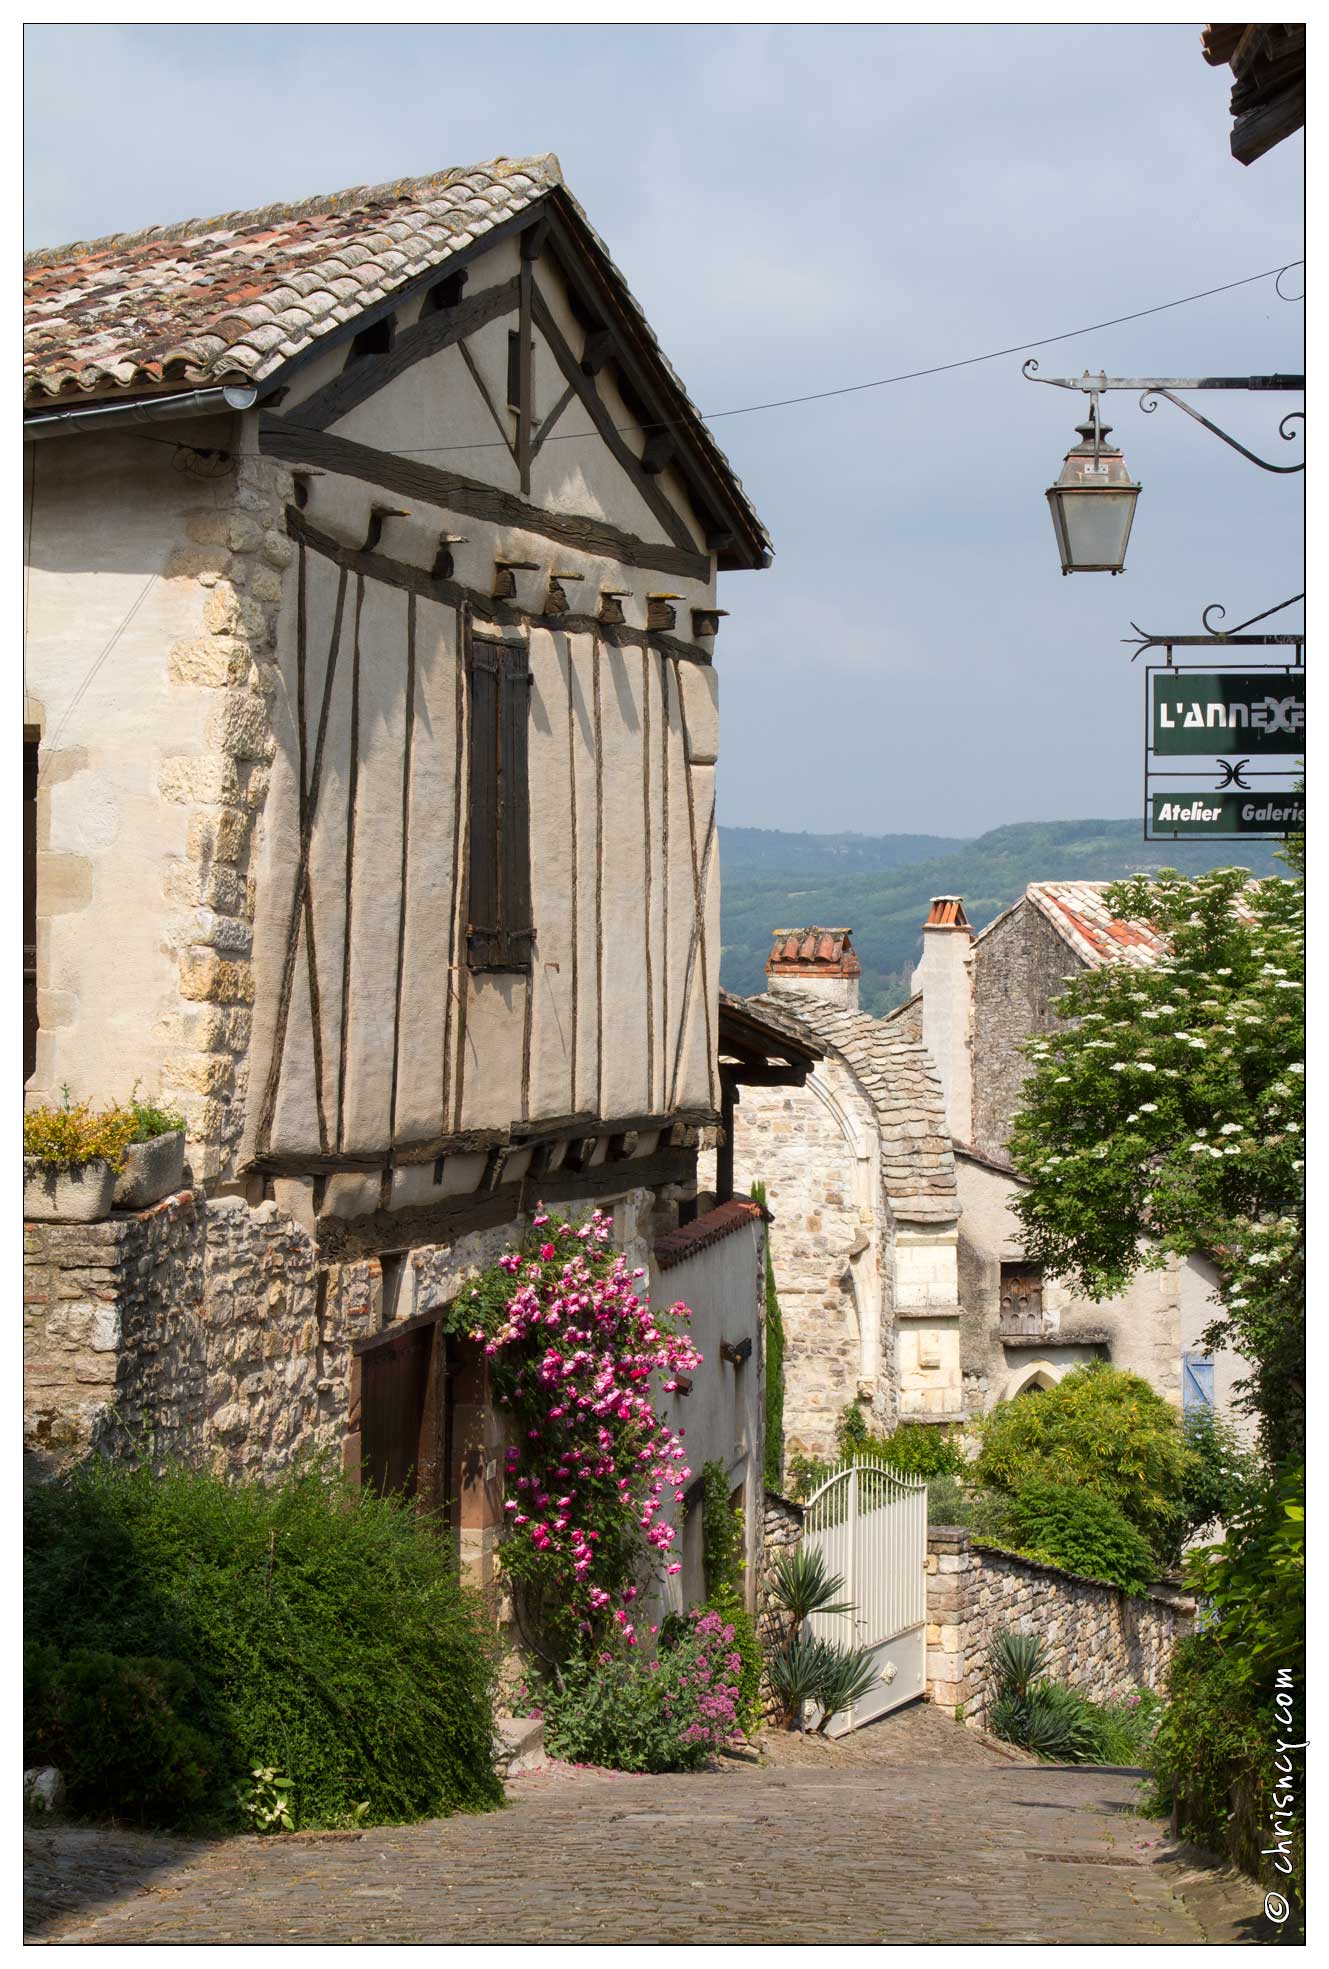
(515, 807)
(500, 928)
(1197, 1382)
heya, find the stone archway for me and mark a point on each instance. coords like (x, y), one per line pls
(1035, 1378)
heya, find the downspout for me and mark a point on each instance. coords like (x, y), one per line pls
(146, 410)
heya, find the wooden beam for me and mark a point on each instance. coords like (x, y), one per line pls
(596, 351)
(552, 419)
(369, 374)
(765, 1076)
(480, 384)
(525, 379)
(642, 369)
(451, 491)
(672, 522)
(452, 594)
(340, 1239)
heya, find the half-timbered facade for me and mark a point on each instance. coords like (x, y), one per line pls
(373, 724)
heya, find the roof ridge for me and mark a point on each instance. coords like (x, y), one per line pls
(546, 167)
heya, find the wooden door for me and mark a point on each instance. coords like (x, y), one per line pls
(403, 1412)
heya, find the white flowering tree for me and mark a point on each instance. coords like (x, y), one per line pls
(1165, 1115)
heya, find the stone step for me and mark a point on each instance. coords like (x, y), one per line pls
(519, 1745)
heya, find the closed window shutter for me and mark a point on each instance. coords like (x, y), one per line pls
(500, 929)
(1197, 1381)
(515, 806)
(484, 887)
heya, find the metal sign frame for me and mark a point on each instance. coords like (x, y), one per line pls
(1227, 772)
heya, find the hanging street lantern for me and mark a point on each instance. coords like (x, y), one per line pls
(1093, 503)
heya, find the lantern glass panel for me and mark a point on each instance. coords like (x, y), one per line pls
(1093, 525)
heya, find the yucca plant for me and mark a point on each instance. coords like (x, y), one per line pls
(1017, 1661)
(801, 1583)
(794, 1672)
(847, 1675)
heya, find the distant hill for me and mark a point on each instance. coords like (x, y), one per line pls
(880, 886)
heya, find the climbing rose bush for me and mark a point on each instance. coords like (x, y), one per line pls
(587, 1479)
(630, 1714)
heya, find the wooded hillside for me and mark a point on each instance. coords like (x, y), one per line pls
(880, 885)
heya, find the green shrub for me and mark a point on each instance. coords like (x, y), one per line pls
(323, 1627)
(1060, 1724)
(149, 1120)
(774, 1447)
(916, 1449)
(721, 1531)
(72, 1135)
(953, 1502)
(1081, 1531)
(116, 1726)
(1212, 1752)
(728, 1603)
(1101, 1429)
(626, 1714)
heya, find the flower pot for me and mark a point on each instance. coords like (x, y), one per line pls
(70, 1196)
(152, 1170)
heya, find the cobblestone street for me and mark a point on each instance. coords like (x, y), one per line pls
(914, 1830)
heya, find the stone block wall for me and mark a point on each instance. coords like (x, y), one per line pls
(781, 1531)
(1099, 1639)
(114, 1335)
(1020, 967)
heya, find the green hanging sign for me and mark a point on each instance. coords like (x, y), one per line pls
(1228, 712)
(1227, 813)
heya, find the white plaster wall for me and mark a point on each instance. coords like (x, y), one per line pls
(723, 1419)
(105, 534)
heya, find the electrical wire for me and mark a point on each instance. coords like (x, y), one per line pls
(844, 390)
(880, 382)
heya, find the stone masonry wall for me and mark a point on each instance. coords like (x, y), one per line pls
(826, 1241)
(1020, 966)
(207, 1329)
(238, 553)
(1100, 1640)
(114, 1335)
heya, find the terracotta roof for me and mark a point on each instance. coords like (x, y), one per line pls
(237, 296)
(719, 1223)
(897, 1076)
(947, 913)
(823, 953)
(1078, 912)
(234, 298)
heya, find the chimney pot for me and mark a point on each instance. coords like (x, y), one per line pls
(815, 959)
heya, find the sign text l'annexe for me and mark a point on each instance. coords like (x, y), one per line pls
(1224, 711)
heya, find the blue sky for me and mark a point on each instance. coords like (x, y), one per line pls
(799, 208)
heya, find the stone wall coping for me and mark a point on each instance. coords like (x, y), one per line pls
(116, 1227)
(948, 1538)
(784, 1503)
(1166, 1595)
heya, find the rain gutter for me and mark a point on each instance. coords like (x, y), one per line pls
(147, 410)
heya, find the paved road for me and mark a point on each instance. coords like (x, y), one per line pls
(911, 1831)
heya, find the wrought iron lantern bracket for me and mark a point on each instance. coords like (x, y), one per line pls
(1151, 388)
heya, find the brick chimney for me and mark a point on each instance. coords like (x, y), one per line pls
(946, 981)
(815, 960)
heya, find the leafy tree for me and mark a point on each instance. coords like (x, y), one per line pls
(1165, 1116)
(1100, 1428)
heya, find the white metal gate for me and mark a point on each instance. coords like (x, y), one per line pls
(871, 1525)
